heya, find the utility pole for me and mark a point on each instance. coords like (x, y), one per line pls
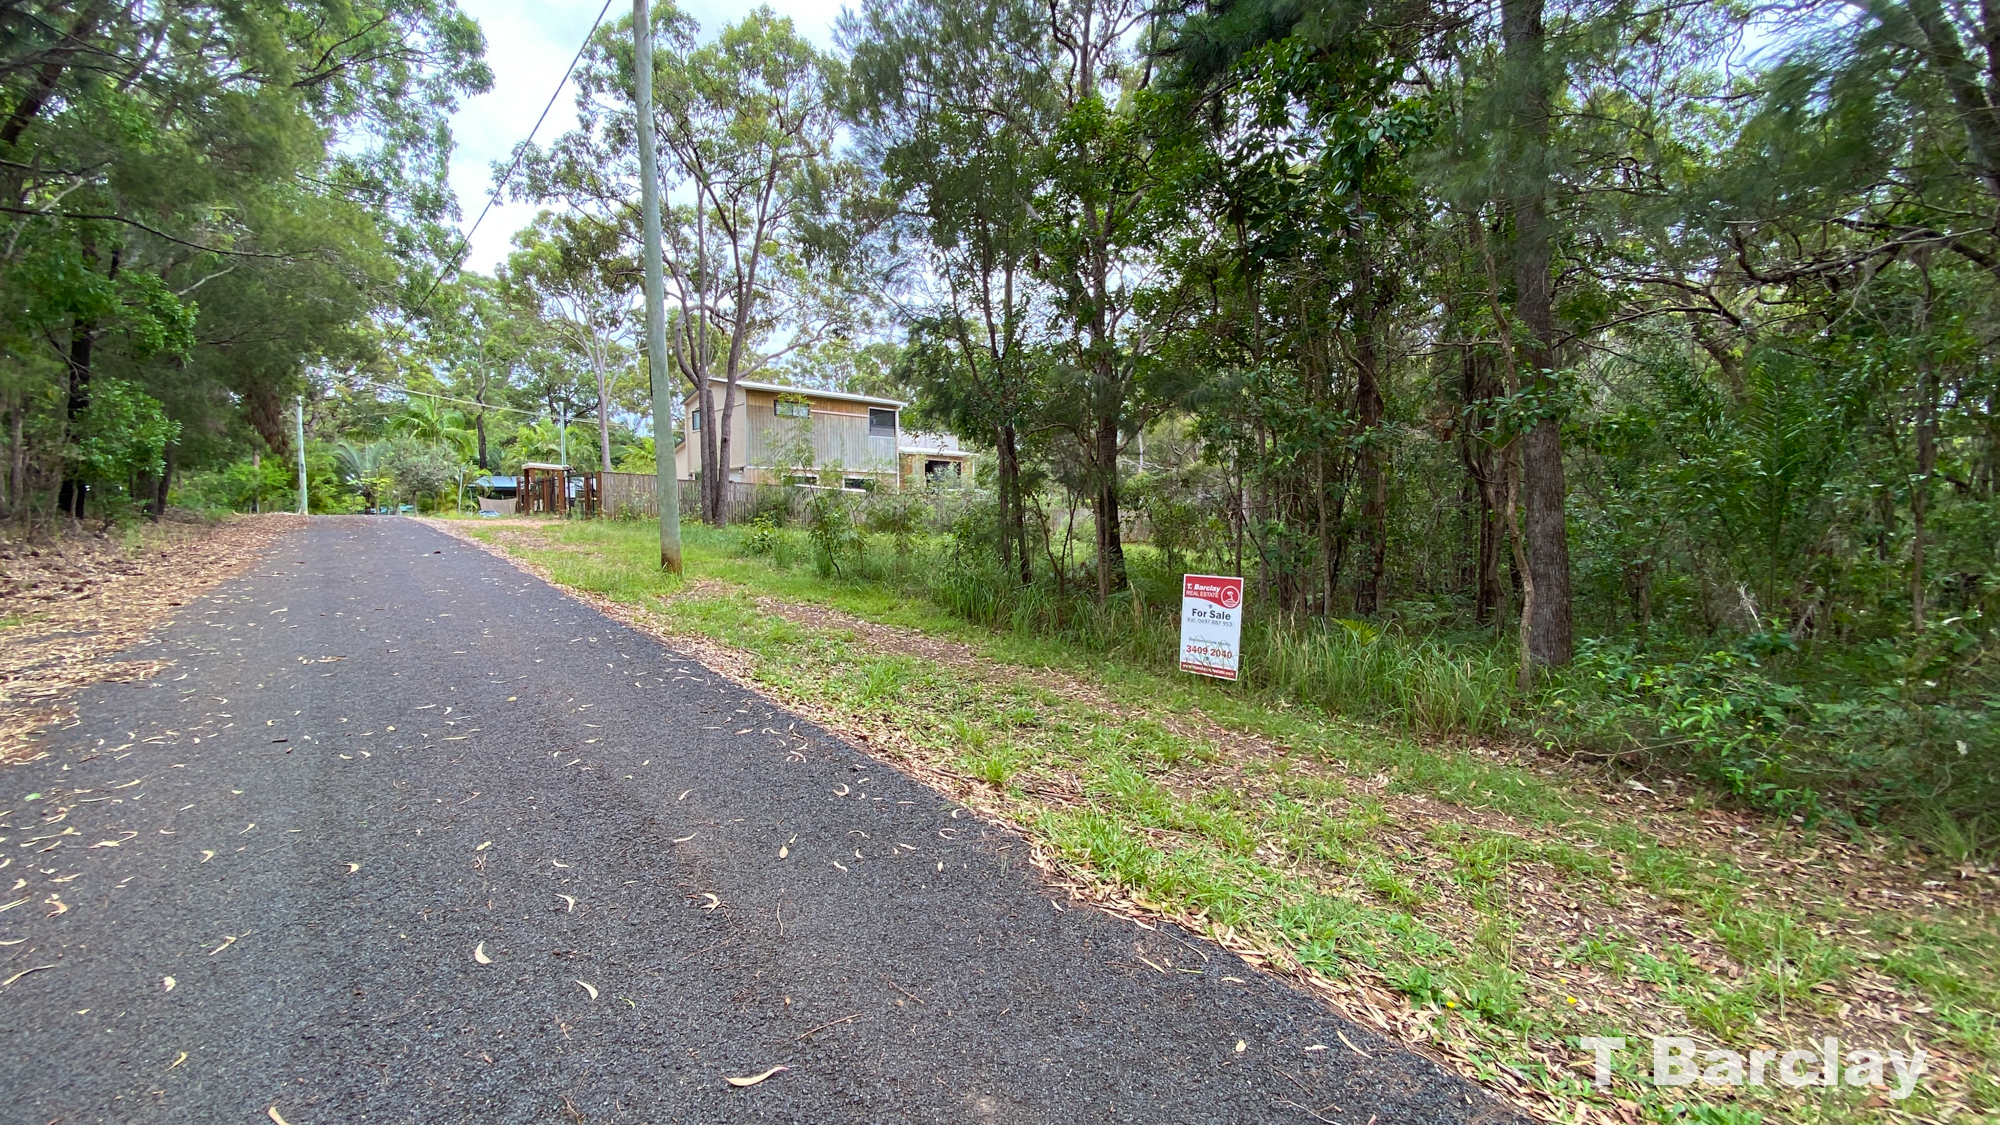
(299, 405)
(656, 294)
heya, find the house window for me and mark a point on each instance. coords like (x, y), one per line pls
(859, 484)
(694, 419)
(881, 423)
(789, 409)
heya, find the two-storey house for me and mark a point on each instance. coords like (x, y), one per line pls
(802, 435)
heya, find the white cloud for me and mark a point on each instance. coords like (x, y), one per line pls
(529, 45)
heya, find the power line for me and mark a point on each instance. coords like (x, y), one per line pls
(457, 255)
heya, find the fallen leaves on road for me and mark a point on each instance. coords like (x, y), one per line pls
(753, 1079)
(589, 987)
(86, 597)
(23, 973)
(168, 984)
(569, 902)
(276, 1116)
(479, 954)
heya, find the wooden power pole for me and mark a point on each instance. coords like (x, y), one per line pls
(656, 317)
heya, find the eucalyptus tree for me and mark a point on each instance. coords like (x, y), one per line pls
(748, 124)
(1303, 225)
(482, 332)
(955, 102)
(1095, 235)
(576, 270)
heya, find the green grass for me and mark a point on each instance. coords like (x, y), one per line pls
(1302, 846)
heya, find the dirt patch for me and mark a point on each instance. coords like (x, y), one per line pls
(74, 600)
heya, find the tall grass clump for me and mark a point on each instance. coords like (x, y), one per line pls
(1342, 667)
(1352, 668)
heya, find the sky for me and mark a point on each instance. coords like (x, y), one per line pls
(529, 44)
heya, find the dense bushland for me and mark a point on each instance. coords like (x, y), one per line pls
(1757, 717)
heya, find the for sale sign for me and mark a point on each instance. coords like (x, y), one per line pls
(1211, 624)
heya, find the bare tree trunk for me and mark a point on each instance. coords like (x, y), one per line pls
(17, 481)
(603, 413)
(1373, 480)
(1110, 550)
(1920, 487)
(1476, 453)
(1526, 573)
(1329, 571)
(156, 504)
(72, 493)
(1544, 490)
(711, 492)
(1013, 519)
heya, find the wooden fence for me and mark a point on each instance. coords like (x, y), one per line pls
(637, 496)
(629, 495)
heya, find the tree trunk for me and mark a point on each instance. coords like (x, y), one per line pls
(1525, 571)
(1013, 516)
(725, 412)
(1477, 389)
(51, 71)
(1373, 480)
(603, 416)
(1544, 491)
(70, 496)
(711, 493)
(166, 482)
(1110, 550)
(1329, 573)
(1920, 486)
(17, 486)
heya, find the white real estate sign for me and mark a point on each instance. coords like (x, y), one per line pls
(1211, 624)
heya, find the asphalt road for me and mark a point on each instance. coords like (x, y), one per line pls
(385, 754)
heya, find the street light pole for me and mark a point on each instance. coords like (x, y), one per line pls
(656, 295)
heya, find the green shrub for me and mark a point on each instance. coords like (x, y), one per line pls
(831, 530)
(761, 536)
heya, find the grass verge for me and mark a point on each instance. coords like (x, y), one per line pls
(1477, 901)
